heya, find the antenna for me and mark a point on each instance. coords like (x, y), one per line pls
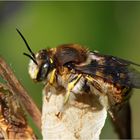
(32, 56)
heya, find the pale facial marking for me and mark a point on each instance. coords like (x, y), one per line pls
(33, 70)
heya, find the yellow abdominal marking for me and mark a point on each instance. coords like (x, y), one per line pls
(70, 87)
(52, 76)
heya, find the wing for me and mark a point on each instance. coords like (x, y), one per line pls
(112, 69)
(122, 121)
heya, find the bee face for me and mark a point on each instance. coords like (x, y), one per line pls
(38, 71)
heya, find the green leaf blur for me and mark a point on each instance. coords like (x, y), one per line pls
(109, 27)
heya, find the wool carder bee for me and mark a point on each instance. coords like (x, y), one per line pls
(78, 69)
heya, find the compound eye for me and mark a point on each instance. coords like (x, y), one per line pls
(43, 72)
(45, 66)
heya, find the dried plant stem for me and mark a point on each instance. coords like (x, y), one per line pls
(18, 89)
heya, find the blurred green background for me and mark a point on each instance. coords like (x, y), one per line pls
(109, 27)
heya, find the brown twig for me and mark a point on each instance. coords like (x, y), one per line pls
(18, 89)
(13, 123)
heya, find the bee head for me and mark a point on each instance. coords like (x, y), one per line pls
(40, 67)
(40, 64)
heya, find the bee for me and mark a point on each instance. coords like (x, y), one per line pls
(78, 69)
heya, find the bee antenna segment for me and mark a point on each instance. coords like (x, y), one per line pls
(33, 55)
(30, 57)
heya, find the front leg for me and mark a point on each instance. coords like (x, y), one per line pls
(52, 77)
